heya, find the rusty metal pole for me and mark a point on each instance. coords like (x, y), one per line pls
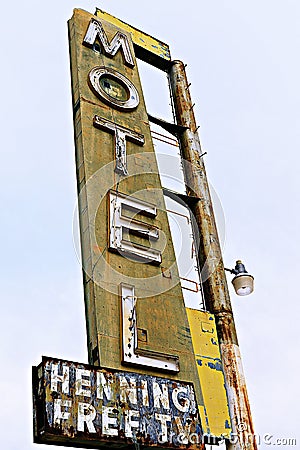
(210, 262)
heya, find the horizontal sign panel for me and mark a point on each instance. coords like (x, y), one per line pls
(80, 405)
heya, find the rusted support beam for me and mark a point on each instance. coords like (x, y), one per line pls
(210, 261)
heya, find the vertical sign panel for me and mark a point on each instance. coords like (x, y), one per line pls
(136, 318)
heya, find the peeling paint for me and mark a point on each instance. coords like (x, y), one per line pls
(210, 372)
(227, 424)
(152, 48)
(76, 404)
(216, 366)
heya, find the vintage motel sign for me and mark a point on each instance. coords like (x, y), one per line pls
(155, 375)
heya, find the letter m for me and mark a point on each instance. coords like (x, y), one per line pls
(95, 31)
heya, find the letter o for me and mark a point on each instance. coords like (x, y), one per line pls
(113, 88)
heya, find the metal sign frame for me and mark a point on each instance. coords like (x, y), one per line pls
(80, 405)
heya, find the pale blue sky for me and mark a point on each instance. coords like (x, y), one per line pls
(243, 62)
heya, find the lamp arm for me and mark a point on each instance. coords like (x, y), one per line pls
(233, 271)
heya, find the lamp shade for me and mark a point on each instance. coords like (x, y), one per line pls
(243, 284)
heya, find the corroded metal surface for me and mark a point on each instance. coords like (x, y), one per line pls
(80, 405)
(238, 398)
(209, 256)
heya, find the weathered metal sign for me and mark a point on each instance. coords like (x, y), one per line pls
(79, 405)
(136, 316)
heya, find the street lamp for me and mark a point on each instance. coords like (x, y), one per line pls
(243, 282)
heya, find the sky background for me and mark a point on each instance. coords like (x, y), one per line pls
(243, 62)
